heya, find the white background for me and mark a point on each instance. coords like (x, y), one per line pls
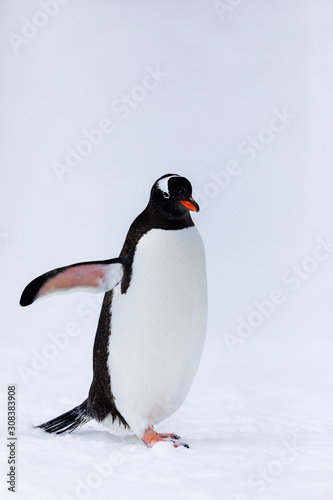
(227, 74)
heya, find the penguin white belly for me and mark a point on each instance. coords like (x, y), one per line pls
(158, 327)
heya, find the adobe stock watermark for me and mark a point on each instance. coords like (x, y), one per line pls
(41, 358)
(102, 471)
(223, 7)
(121, 108)
(292, 280)
(31, 27)
(163, 409)
(263, 477)
(249, 149)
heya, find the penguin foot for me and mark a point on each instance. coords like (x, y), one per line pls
(151, 437)
(180, 443)
(171, 436)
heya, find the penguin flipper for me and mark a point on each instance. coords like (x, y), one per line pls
(96, 276)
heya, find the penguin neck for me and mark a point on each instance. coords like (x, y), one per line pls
(160, 219)
(152, 218)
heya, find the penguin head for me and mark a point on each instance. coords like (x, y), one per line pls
(172, 194)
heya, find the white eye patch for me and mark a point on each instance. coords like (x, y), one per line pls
(163, 185)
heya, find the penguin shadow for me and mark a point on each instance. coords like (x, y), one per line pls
(89, 433)
(92, 434)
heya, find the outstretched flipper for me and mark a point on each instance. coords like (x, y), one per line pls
(99, 276)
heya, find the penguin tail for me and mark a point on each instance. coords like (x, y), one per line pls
(68, 422)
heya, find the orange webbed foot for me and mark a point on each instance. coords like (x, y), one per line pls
(171, 436)
(151, 437)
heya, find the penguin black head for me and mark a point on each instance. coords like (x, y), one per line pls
(172, 195)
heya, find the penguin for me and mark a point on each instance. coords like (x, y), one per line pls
(152, 325)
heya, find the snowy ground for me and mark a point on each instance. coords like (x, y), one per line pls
(239, 100)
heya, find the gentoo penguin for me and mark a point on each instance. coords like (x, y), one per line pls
(152, 325)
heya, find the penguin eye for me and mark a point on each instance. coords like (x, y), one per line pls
(166, 195)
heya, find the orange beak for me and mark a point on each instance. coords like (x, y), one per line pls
(191, 205)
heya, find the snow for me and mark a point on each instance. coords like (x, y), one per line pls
(239, 102)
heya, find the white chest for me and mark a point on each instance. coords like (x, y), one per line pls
(158, 326)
